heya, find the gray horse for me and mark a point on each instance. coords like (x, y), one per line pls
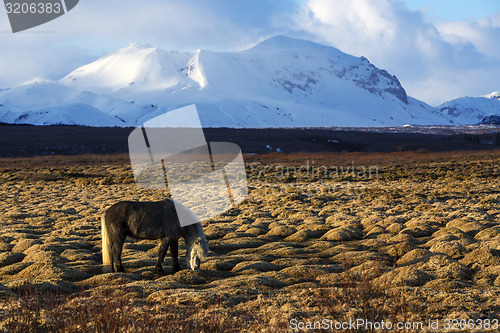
(151, 220)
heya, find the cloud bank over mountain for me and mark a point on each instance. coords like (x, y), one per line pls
(435, 61)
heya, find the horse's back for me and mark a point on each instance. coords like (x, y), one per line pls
(146, 220)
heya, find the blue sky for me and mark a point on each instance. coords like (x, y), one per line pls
(438, 49)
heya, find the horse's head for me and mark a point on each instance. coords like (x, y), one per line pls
(197, 256)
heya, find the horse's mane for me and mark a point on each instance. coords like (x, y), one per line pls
(197, 227)
(201, 234)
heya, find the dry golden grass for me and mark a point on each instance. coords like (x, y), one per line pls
(418, 240)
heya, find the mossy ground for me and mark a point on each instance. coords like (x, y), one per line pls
(417, 240)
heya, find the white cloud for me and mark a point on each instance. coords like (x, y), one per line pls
(96, 27)
(484, 34)
(434, 63)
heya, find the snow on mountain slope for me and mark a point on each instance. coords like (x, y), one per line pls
(138, 67)
(281, 82)
(471, 110)
(72, 114)
(491, 120)
(493, 95)
(50, 94)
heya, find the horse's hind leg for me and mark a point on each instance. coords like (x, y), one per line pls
(161, 255)
(174, 253)
(116, 247)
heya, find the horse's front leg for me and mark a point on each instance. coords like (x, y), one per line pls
(174, 253)
(161, 255)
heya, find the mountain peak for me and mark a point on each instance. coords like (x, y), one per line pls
(472, 110)
(138, 67)
(493, 95)
(329, 60)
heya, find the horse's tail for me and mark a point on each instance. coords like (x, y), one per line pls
(107, 260)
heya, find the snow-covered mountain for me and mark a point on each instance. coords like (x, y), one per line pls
(471, 110)
(281, 82)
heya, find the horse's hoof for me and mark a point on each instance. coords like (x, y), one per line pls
(159, 270)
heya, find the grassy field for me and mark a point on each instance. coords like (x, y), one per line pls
(407, 237)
